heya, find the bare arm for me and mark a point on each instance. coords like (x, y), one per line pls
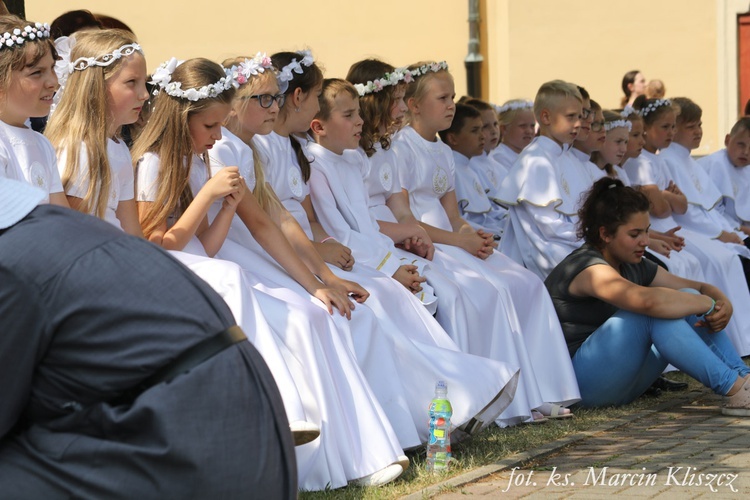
(59, 199)
(127, 214)
(662, 299)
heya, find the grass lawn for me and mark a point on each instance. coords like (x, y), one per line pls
(495, 444)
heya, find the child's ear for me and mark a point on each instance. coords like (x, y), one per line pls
(726, 140)
(544, 117)
(450, 139)
(318, 127)
(297, 97)
(412, 104)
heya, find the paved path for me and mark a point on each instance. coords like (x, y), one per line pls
(682, 449)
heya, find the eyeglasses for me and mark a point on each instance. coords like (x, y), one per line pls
(266, 100)
(586, 112)
(597, 126)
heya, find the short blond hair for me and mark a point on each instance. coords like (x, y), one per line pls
(550, 93)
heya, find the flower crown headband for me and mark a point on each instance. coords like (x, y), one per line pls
(389, 79)
(162, 78)
(244, 71)
(653, 106)
(64, 68)
(514, 105)
(627, 111)
(618, 123)
(286, 74)
(19, 36)
(411, 74)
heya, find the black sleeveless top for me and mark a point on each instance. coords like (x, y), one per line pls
(581, 316)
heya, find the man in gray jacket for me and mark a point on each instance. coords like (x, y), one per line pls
(122, 374)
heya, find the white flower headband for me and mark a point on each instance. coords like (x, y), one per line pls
(162, 77)
(627, 111)
(514, 105)
(393, 78)
(411, 74)
(249, 68)
(64, 68)
(18, 36)
(618, 123)
(286, 74)
(653, 106)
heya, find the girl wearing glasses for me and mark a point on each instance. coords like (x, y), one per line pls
(584, 147)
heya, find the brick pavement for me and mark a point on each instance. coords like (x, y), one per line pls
(682, 449)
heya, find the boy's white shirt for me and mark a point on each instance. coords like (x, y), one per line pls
(473, 202)
(538, 191)
(491, 174)
(702, 194)
(504, 156)
(732, 182)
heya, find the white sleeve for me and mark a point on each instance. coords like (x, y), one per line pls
(147, 178)
(79, 181)
(362, 247)
(55, 184)
(547, 236)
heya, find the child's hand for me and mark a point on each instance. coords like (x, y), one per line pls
(408, 276)
(659, 246)
(729, 238)
(226, 181)
(337, 254)
(233, 199)
(672, 188)
(419, 243)
(350, 288)
(676, 242)
(334, 298)
(745, 229)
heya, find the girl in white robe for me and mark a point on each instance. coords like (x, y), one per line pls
(399, 345)
(426, 172)
(356, 439)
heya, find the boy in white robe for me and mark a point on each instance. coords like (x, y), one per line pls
(727, 169)
(466, 139)
(542, 187)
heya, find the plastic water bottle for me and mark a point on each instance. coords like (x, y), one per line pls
(439, 441)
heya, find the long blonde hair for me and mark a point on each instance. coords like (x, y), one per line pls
(81, 117)
(262, 193)
(167, 135)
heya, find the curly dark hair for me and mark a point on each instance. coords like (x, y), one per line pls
(608, 204)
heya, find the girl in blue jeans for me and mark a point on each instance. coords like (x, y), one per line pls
(625, 318)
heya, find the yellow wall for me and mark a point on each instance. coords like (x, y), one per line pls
(338, 32)
(688, 44)
(594, 43)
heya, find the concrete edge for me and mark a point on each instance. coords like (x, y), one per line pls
(518, 459)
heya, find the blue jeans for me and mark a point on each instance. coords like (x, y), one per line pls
(625, 355)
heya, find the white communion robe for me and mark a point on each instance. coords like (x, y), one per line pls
(426, 172)
(733, 184)
(541, 194)
(721, 266)
(468, 303)
(702, 195)
(314, 362)
(491, 174)
(395, 349)
(473, 202)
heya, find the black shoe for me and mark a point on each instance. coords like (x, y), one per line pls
(653, 391)
(665, 384)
